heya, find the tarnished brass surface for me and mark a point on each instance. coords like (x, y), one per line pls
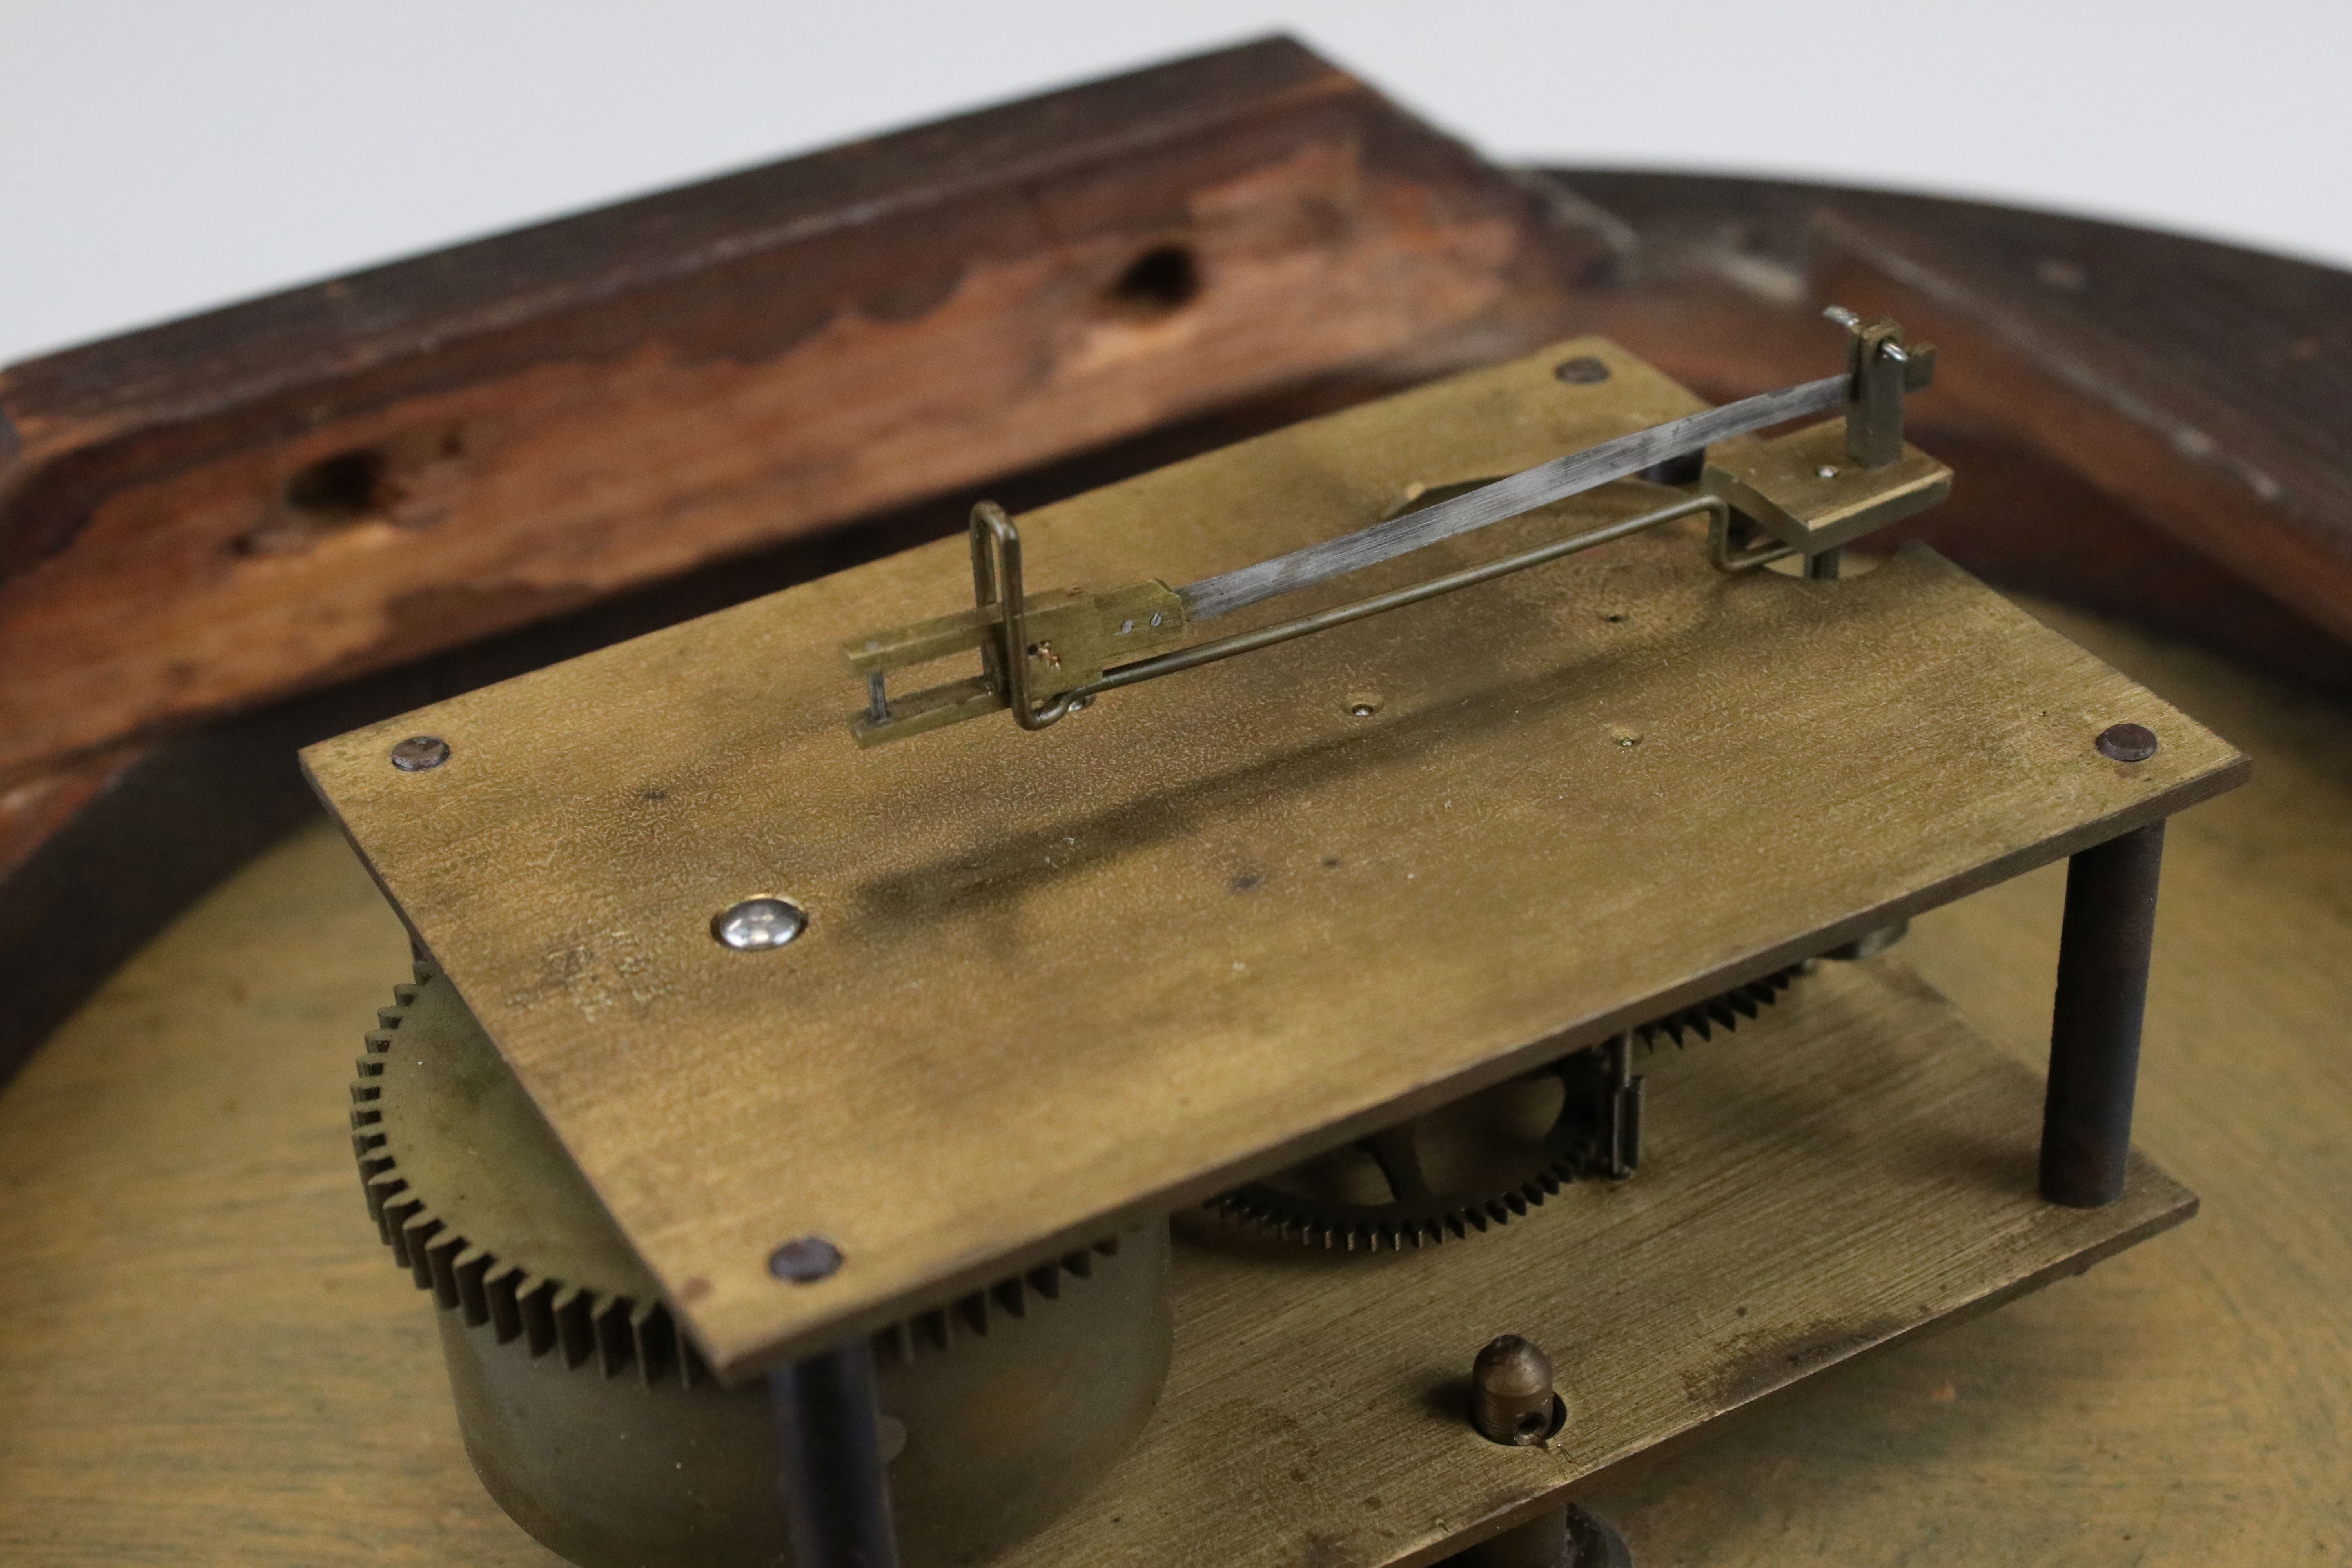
(1855, 1167)
(1805, 493)
(1054, 981)
(1007, 1408)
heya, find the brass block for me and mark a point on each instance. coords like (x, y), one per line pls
(1803, 490)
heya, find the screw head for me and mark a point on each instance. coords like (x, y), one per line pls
(755, 925)
(805, 1260)
(2127, 742)
(1581, 371)
(418, 753)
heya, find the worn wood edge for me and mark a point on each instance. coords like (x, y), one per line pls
(175, 370)
(2006, 374)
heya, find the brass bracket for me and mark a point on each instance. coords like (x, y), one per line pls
(1065, 641)
(1045, 656)
(1823, 487)
(1039, 655)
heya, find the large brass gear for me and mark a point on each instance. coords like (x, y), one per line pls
(595, 1423)
(1481, 1161)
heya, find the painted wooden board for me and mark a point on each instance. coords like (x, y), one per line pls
(1051, 981)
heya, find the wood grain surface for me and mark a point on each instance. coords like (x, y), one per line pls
(1055, 980)
(210, 1359)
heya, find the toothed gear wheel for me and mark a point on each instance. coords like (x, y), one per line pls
(1481, 1161)
(480, 1204)
(1007, 1403)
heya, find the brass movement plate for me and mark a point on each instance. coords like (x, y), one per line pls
(1856, 1168)
(1222, 920)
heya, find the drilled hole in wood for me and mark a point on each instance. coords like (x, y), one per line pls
(1165, 277)
(337, 489)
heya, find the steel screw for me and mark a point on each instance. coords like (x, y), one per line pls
(806, 1260)
(1511, 1396)
(2127, 742)
(419, 752)
(755, 925)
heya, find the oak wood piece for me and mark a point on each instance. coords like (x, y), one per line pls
(1051, 981)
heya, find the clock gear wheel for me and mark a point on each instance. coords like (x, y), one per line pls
(595, 1422)
(1489, 1157)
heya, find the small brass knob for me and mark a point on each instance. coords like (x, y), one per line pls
(1511, 1395)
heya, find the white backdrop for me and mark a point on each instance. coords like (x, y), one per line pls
(158, 157)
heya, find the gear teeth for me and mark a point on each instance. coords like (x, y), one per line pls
(535, 1302)
(1263, 1208)
(615, 1332)
(651, 1338)
(417, 1237)
(398, 1210)
(1746, 1001)
(467, 1271)
(1372, 1227)
(575, 1325)
(498, 1281)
